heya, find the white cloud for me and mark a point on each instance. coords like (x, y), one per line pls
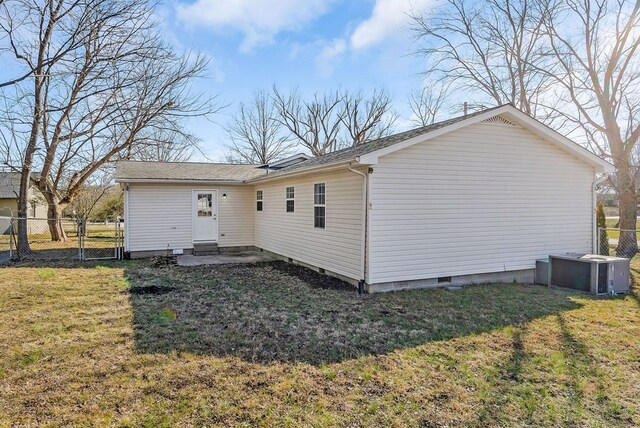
(387, 18)
(328, 56)
(258, 20)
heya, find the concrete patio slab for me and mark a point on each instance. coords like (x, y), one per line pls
(222, 259)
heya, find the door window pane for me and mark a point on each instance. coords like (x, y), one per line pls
(205, 205)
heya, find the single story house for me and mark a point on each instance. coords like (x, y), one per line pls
(9, 191)
(476, 198)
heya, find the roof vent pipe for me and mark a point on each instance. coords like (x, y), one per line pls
(465, 108)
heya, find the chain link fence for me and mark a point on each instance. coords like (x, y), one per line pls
(618, 242)
(41, 239)
(101, 240)
(5, 239)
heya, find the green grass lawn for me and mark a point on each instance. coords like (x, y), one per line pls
(136, 344)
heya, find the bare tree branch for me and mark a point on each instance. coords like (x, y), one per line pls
(367, 118)
(427, 104)
(315, 124)
(257, 136)
(101, 85)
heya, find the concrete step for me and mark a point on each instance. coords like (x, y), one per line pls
(205, 249)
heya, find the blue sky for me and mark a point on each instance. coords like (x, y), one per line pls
(313, 45)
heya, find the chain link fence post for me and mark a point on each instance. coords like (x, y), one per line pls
(11, 239)
(118, 239)
(80, 239)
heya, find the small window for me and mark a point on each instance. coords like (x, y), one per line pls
(319, 208)
(259, 200)
(290, 196)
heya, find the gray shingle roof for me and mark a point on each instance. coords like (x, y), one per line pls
(9, 185)
(371, 146)
(193, 171)
(187, 171)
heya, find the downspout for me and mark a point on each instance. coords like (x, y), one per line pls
(363, 239)
(594, 187)
(126, 220)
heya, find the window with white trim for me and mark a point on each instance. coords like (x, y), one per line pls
(259, 200)
(290, 196)
(319, 205)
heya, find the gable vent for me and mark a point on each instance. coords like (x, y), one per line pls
(498, 120)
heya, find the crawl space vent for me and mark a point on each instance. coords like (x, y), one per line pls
(498, 120)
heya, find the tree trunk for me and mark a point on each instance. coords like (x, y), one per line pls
(23, 210)
(627, 243)
(54, 215)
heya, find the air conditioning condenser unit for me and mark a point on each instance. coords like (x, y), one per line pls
(589, 272)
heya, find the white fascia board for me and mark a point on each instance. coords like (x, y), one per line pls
(372, 158)
(547, 133)
(511, 113)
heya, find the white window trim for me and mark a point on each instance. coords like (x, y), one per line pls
(287, 199)
(259, 200)
(320, 205)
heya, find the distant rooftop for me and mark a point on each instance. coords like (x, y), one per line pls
(9, 185)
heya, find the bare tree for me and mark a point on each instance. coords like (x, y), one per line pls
(163, 146)
(427, 104)
(576, 61)
(256, 135)
(99, 84)
(495, 48)
(87, 199)
(45, 18)
(596, 46)
(315, 124)
(367, 118)
(334, 120)
(110, 206)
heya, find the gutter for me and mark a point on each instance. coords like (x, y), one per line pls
(594, 186)
(126, 218)
(363, 240)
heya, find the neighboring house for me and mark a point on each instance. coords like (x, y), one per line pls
(9, 191)
(477, 198)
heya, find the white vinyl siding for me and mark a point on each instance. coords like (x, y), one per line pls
(486, 198)
(162, 215)
(337, 248)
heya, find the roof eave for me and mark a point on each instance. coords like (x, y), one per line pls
(510, 111)
(545, 132)
(176, 181)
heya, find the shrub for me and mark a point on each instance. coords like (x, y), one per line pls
(601, 221)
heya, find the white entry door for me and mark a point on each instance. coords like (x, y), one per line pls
(205, 215)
